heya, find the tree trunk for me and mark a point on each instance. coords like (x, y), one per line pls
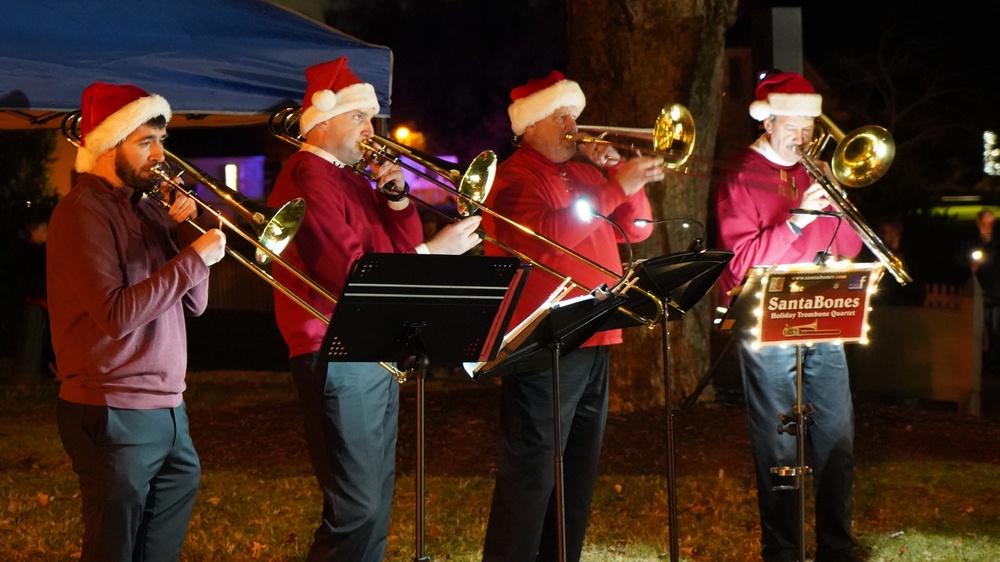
(632, 58)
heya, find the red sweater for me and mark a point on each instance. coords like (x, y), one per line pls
(753, 206)
(345, 218)
(532, 190)
(119, 287)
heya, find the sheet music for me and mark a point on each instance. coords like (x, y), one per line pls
(513, 339)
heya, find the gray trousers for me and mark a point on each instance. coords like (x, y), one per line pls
(138, 474)
(350, 412)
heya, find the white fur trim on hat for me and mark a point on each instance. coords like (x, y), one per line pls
(117, 126)
(326, 104)
(531, 109)
(804, 105)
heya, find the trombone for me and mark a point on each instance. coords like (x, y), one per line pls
(275, 227)
(860, 159)
(471, 185)
(672, 137)
(470, 194)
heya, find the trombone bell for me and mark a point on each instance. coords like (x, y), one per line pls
(476, 182)
(674, 135)
(276, 232)
(863, 156)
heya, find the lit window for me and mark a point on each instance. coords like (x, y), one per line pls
(232, 172)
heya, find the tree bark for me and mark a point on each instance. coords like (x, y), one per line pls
(632, 58)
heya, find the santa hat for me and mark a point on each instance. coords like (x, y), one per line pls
(537, 99)
(333, 89)
(108, 114)
(785, 93)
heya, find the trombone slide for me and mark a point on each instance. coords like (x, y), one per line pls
(857, 222)
(855, 167)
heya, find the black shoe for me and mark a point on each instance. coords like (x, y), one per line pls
(843, 555)
(781, 556)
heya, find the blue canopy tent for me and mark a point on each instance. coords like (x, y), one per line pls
(218, 62)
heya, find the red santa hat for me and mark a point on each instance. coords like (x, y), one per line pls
(785, 93)
(108, 114)
(333, 89)
(537, 99)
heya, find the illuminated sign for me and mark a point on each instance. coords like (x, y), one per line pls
(806, 304)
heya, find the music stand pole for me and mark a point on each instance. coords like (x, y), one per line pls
(800, 447)
(556, 345)
(794, 423)
(418, 363)
(671, 468)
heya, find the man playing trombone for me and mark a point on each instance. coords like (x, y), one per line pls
(122, 275)
(755, 206)
(538, 187)
(349, 409)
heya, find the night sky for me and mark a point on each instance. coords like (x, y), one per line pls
(456, 61)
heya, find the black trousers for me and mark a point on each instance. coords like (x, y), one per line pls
(522, 523)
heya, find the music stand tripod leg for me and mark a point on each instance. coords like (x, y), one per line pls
(690, 400)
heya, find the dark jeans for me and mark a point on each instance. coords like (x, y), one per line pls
(769, 384)
(991, 325)
(138, 477)
(350, 412)
(522, 524)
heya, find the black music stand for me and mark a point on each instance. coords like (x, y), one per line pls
(560, 329)
(570, 322)
(680, 280)
(407, 308)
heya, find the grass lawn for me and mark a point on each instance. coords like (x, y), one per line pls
(927, 485)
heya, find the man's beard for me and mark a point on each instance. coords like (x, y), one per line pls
(130, 176)
(564, 151)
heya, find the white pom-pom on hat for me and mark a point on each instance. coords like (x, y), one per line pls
(324, 100)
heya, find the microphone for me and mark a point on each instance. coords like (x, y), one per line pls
(816, 213)
(585, 211)
(685, 222)
(823, 256)
(697, 245)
